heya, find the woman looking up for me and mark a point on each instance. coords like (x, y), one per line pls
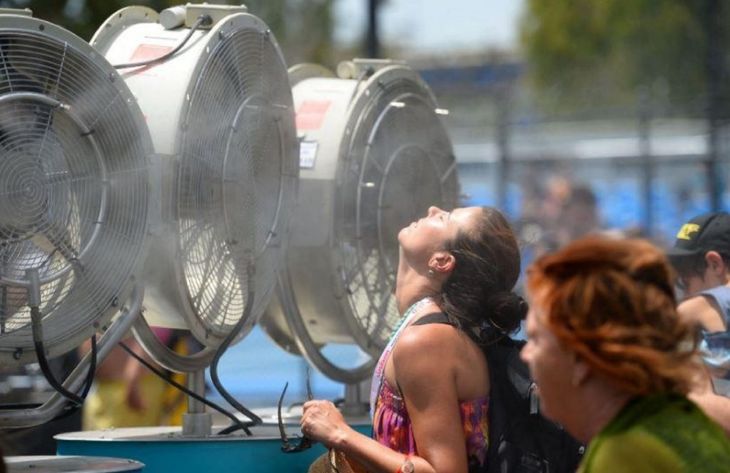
(430, 390)
(613, 361)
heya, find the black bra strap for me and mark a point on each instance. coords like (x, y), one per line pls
(434, 318)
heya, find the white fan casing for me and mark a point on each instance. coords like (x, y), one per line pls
(167, 92)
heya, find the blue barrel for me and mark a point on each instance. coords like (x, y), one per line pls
(165, 450)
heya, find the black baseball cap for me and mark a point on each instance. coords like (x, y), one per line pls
(706, 232)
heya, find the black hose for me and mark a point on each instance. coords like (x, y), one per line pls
(236, 424)
(40, 351)
(92, 368)
(182, 388)
(202, 20)
(255, 420)
(72, 408)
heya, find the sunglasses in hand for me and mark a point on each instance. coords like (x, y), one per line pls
(303, 442)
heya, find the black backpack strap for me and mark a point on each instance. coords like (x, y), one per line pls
(442, 318)
(434, 318)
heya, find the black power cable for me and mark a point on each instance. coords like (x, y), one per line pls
(182, 388)
(72, 407)
(236, 424)
(40, 351)
(202, 20)
(255, 420)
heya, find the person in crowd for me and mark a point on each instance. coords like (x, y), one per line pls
(127, 394)
(613, 361)
(701, 257)
(430, 390)
(541, 215)
(565, 211)
(579, 216)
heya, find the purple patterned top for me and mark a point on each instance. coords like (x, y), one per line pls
(392, 426)
(391, 423)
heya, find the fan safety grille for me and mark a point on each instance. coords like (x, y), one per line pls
(237, 178)
(402, 164)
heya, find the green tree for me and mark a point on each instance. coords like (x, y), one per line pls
(303, 29)
(82, 17)
(610, 50)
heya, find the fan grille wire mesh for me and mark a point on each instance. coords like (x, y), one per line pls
(237, 178)
(401, 163)
(73, 187)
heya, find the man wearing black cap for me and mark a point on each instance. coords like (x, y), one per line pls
(701, 256)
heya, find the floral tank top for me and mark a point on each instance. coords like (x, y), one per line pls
(392, 426)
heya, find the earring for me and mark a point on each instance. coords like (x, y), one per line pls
(430, 272)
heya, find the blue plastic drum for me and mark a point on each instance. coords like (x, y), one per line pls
(165, 450)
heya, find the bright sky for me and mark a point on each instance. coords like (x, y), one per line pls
(434, 26)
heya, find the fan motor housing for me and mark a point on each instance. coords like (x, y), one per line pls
(374, 155)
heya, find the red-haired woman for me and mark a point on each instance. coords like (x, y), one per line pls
(613, 362)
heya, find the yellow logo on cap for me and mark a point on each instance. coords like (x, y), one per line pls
(685, 233)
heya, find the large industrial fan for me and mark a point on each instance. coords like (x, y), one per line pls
(374, 156)
(221, 118)
(74, 203)
(214, 89)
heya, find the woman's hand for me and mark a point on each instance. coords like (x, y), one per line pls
(323, 422)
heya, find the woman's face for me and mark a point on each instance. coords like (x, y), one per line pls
(551, 365)
(432, 232)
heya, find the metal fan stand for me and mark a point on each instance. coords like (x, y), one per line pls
(55, 404)
(196, 422)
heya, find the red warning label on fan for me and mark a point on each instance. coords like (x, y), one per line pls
(145, 52)
(310, 114)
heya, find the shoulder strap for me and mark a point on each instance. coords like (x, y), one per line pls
(433, 318)
(721, 295)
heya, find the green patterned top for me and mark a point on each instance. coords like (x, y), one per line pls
(661, 433)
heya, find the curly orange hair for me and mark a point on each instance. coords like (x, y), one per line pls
(612, 302)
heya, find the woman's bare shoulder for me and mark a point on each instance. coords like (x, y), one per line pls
(702, 310)
(433, 337)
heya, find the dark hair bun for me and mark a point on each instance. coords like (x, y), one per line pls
(506, 311)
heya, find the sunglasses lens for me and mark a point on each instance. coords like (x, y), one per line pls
(304, 443)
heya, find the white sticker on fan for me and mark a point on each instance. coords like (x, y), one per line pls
(307, 154)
